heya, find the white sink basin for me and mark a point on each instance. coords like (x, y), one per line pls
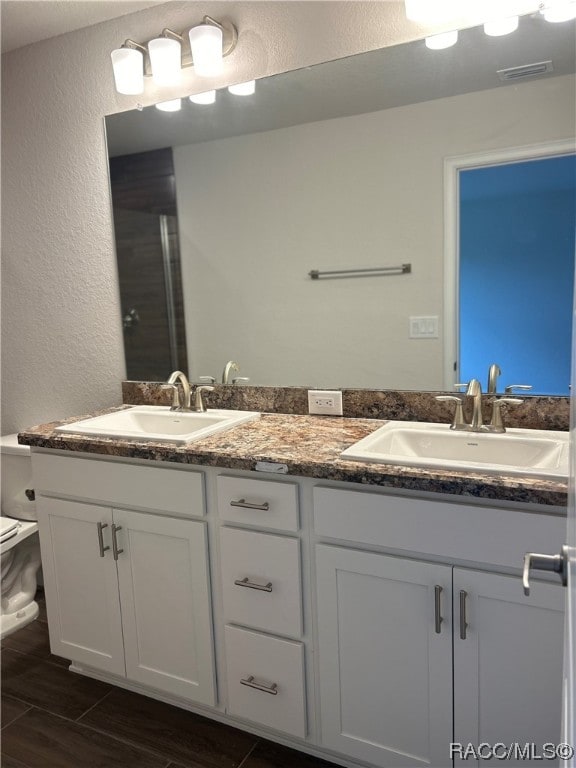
(159, 423)
(537, 453)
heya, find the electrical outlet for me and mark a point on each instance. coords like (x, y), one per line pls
(325, 402)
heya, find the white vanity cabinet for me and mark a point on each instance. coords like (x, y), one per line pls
(433, 636)
(262, 597)
(128, 591)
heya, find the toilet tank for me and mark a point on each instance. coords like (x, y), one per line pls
(16, 479)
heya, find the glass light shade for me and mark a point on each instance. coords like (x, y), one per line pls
(128, 65)
(208, 97)
(206, 46)
(443, 40)
(165, 60)
(561, 11)
(173, 105)
(499, 27)
(243, 89)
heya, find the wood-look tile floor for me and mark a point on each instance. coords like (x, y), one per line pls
(53, 718)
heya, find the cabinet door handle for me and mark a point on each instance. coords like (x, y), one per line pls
(438, 609)
(115, 550)
(245, 582)
(100, 527)
(463, 622)
(251, 683)
(248, 505)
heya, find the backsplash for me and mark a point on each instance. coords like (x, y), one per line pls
(536, 412)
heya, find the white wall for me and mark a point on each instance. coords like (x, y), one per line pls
(61, 331)
(357, 191)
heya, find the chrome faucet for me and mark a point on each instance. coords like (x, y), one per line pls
(474, 389)
(230, 366)
(178, 403)
(493, 373)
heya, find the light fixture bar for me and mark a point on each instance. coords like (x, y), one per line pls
(229, 41)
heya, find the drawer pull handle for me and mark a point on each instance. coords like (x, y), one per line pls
(245, 582)
(115, 550)
(438, 609)
(248, 505)
(463, 622)
(101, 547)
(251, 683)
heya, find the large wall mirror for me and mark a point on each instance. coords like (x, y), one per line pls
(229, 215)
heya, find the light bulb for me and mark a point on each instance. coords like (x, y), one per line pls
(243, 89)
(165, 60)
(499, 27)
(560, 11)
(128, 65)
(173, 105)
(206, 45)
(208, 97)
(443, 40)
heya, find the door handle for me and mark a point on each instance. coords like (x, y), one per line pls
(245, 582)
(438, 609)
(115, 550)
(463, 622)
(555, 563)
(100, 527)
(250, 682)
(249, 505)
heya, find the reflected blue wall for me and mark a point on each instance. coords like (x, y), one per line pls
(517, 241)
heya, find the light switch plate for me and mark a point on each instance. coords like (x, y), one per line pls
(424, 327)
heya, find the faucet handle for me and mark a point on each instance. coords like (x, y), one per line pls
(209, 379)
(175, 395)
(511, 387)
(239, 379)
(459, 386)
(199, 406)
(496, 423)
(458, 422)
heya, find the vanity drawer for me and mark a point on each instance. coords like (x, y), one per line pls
(261, 581)
(174, 491)
(266, 680)
(489, 535)
(263, 503)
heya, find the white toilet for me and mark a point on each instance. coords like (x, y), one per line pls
(19, 542)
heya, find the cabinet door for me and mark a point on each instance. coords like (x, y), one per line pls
(385, 672)
(164, 591)
(81, 586)
(508, 668)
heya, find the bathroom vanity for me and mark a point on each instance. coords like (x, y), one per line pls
(368, 614)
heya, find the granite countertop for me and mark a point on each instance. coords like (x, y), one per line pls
(310, 446)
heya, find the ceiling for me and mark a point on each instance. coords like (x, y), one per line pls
(27, 21)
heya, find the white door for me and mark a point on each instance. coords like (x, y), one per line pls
(164, 591)
(386, 691)
(81, 583)
(507, 663)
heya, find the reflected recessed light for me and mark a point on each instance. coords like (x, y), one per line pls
(208, 97)
(443, 40)
(561, 11)
(499, 27)
(243, 89)
(173, 105)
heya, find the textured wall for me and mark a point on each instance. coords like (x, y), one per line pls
(61, 333)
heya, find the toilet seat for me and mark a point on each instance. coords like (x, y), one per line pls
(8, 528)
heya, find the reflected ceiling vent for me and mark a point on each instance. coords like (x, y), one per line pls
(526, 70)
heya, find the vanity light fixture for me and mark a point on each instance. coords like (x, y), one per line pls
(208, 97)
(128, 63)
(174, 105)
(502, 26)
(556, 12)
(165, 56)
(243, 89)
(442, 40)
